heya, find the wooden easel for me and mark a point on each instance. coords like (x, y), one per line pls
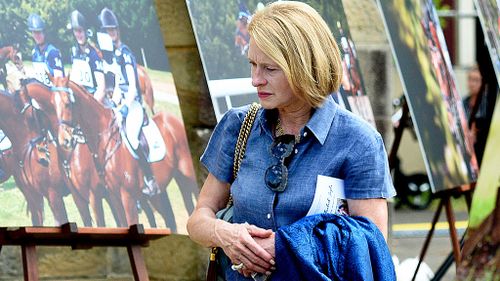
(444, 196)
(445, 200)
(69, 234)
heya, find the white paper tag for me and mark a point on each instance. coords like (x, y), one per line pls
(329, 197)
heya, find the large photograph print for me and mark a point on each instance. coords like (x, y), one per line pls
(90, 126)
(487, 11)
(222, 36)
(482, 230)
(425, 69)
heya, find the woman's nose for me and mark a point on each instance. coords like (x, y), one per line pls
(258, 79)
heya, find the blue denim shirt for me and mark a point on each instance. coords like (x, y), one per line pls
(333, 143)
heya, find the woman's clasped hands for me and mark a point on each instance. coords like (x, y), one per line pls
(250, 248)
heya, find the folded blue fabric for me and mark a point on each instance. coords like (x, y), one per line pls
(332, 247)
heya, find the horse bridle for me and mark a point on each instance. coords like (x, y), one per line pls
(35, 115)
(74, 131)
(71, 99)
(77, 133)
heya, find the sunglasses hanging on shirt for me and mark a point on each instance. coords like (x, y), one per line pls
(281, 149)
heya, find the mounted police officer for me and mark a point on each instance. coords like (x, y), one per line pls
(127, 96)
(87, 67)
(46, 58)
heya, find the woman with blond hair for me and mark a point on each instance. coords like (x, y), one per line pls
(298, 134)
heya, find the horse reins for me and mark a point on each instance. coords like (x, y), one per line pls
(100, 167)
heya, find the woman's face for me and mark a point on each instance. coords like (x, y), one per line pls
(272, 86)
(474, 81)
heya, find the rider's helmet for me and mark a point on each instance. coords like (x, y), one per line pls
(108, 19)
(77, 20)
(35, 23)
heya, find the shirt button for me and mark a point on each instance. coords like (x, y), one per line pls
(305, 134)
(268, 216)
(296, 151)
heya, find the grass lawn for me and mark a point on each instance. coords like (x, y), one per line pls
(14, 211)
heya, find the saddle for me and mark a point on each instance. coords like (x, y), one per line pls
(143, 141)
(150, 139)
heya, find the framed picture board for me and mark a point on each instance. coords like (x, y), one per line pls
(428, 80)
(487, 11)
(96, 177)
(222, 38)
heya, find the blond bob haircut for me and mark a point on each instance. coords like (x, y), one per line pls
(296, 38)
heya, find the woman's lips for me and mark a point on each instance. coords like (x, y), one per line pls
(263, 95)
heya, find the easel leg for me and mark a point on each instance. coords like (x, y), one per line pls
(468, 200)
(30, 267)
(428, 238)
(441, 271)
(453, 232)
(137, 263)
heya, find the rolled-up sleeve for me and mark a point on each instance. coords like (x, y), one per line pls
(367, 169)
(219, 154)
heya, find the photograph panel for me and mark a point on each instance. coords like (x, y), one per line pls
(424, 65)
(220, 29)
(488, 13)
(91, 128)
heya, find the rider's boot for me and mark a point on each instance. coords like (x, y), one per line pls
(151, 187)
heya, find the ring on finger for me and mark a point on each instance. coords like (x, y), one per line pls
(236, 267)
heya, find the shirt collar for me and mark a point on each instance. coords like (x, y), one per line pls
(319, 124)
(262, 117)
(322, 119)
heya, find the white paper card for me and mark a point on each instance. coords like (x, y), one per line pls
(329, 197)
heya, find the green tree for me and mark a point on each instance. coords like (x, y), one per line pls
(138, 25)
(214, 22)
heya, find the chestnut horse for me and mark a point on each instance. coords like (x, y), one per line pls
(34, 179)
(122, 174)
(83, 179)
(76, 160)
(8, 53)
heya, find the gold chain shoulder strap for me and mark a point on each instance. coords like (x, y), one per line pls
(241, 143)
(239, 152)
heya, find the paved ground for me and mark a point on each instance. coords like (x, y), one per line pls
(409, 231)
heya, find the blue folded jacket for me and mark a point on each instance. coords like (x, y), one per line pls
(332, 247)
